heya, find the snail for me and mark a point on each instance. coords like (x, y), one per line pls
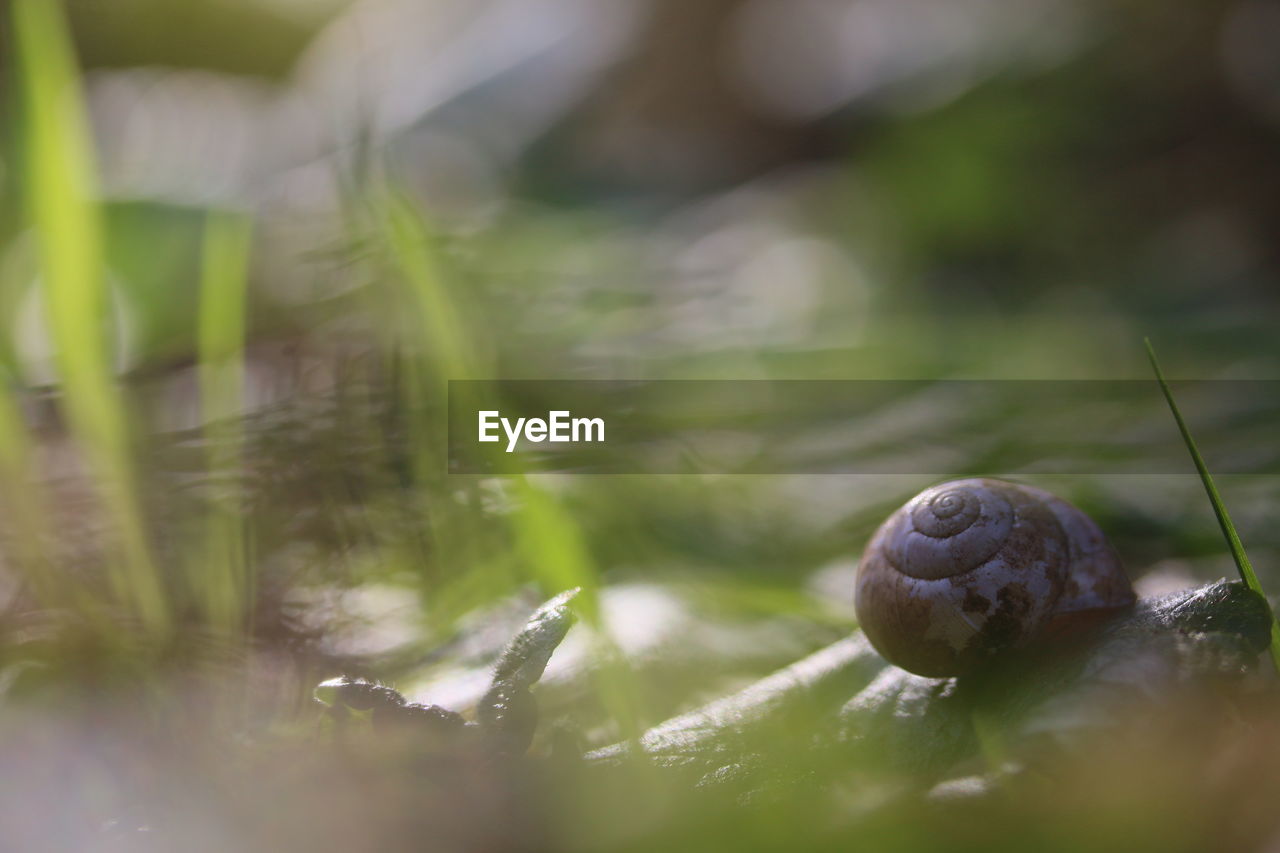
(969, 569)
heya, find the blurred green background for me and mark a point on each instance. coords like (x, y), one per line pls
(227, 322)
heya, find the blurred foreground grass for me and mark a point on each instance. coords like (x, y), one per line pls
(192, 542)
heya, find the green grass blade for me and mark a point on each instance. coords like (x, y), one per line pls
(222, 576)
(547, 535)
(61, 194)
(1247, 574)
(549, 541)
(221, 316)
(435, 313)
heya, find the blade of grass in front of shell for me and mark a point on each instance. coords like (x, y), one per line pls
(1243, 565)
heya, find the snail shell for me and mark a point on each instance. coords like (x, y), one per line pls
(970, 568)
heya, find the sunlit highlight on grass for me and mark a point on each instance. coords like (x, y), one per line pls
(61, 194)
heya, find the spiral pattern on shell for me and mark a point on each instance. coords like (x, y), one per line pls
(950, 530)
(970, 568)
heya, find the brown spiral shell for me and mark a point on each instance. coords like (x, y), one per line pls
(970, 568)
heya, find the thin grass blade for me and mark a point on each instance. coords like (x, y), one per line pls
(550, 543)
(223, 574)
(1243, 565)
(61, 190)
